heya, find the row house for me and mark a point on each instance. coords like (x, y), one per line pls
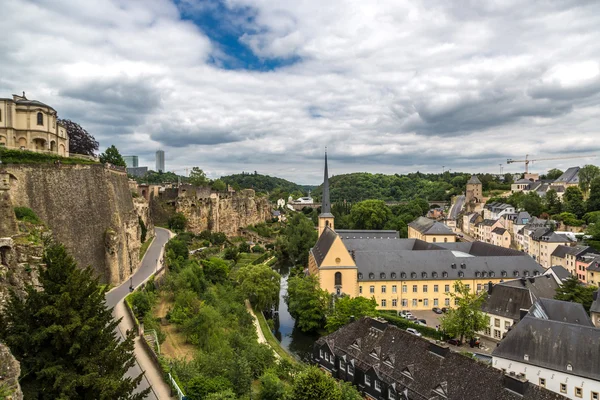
(501, 237)
(469, 222)
(595, 309)
(522, 237)
(506, 300)
(582, 265)
(387, 363)
(566, 257)
(593, 272)
(485, 229)
(543, 242)
(554, 345)
(496, 210)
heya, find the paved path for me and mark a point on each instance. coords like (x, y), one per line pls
(150, 263)
(259, 332)
(457, 207)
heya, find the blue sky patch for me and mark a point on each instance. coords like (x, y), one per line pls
(224, 26)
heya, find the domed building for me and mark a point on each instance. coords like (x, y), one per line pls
(31, 125)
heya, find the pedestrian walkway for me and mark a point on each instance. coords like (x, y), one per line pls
(259, 332)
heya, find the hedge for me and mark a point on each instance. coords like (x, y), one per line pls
(10, 156)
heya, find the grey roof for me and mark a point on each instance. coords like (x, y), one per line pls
(474, 180)
(561, 311)
(367, 234)
(594, 265)
(430, 227)
(499, 231)
(553, 345)
(595, 308)
(508, 298)
(489, 222)
(548, 235)
(571, 175)
(522, 181)
(560, 272)
(413, 259)
(414, 366)
(474, 217)
(27, 102)
(321, 248)
(523, 218)
(562, 250)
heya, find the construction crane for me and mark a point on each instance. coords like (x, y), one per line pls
(527, 160)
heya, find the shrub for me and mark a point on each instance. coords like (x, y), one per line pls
(26, 214)
(244, 247)
(177, 222)
(258, 249)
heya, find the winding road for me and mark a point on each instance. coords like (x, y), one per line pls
(457, 207)
(114, 299)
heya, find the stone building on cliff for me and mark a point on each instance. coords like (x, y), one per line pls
(31, 125)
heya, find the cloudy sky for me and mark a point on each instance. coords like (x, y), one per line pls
(388, 86)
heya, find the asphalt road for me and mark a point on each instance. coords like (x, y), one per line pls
(457, 207)
(148, 267)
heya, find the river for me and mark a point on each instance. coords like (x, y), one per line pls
(296, 342)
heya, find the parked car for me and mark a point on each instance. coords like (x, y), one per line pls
(436, 310)
(413, 331)
(444, 310)
(421, 322)
(455, 342)
(406, 314)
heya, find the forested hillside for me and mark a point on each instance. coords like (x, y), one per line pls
(276, 187)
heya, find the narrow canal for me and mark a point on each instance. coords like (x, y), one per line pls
(293, 340)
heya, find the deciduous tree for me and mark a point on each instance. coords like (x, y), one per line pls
(313, 384)
(552, 202)
(80, 140)
(574, 291)
(260, 284)
(586, 175)
(64, 336)
(593, 201)
(198, 177)
(112, 156)
(573, 201)
(299, 237)
(466, 319)
(307, 302)
(554, 174)
(370, 214)
(347, 307)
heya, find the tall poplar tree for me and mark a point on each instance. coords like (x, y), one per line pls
(65, 338)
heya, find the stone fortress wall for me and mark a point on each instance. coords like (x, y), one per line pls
(90, 209)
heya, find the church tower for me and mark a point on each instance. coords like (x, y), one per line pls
(326, 217)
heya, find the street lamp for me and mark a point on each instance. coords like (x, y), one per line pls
(131, 283)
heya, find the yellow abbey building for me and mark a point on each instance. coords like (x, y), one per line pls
(31, 125)
(406, 274)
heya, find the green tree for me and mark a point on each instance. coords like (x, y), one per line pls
(307, 302)
(349, 392)
(593, 201)
(112, 156)
(576, 292)
(586, 175)
(552, 203)
(346, 307)
(225, 395)
(554, 174)
(244, 247)
(64, 336)
(271, 387)
(198, 177)
(218, 185)
(573, 201)
(259, 284)
(80, 140)
(215, 270)
(370, 214)
(178, 222)
(508, 178)
(466, 319)
(231, 253)
(299, 237)
(313, 384)
(532, 203)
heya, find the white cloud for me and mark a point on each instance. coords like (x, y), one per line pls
(388, 86)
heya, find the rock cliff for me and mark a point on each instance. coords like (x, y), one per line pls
(223, 212)
(89, 208)
(9, 375)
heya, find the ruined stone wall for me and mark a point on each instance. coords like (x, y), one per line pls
(90, 210)
(224, 212)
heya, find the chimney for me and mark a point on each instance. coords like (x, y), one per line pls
(439, 348)
(490, 287)
(515, 383)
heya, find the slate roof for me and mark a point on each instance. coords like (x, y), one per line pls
(561, 311)
(523, 218)
(419, 260)
(499, 231)
(474, 217)
(508, 298)
(548, 235)
(596, 303)
(560, 272)
(571, 175)
(553, 345)
(522, 181)
(594, 266)
(489, 222)
(474, 180)
(321, 248)
(430, 227)
(367, 234)
(408, 363)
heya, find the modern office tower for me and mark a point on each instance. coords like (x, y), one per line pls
(131, 161)
(160, 161)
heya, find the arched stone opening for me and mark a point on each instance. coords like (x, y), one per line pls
(61, 150)
(23, 142)
(53, 146)
(4, 255)
(39, 144)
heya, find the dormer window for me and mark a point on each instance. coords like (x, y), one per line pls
(403, 275)
(526, 273)
(569, 367)
(434, 274)
(424, 274)
(382, 275)
(477, 274)
(371, 276)
(413, 275)
(461, 274)
(492, 274)
(536, 273)
(360, 276)
(526, 357)
(484, 274)
(516, 273)
(444, 274)
(503, 273)
(393, 275)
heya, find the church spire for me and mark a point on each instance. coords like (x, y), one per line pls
(325, 203)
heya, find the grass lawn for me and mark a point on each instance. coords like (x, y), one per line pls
(272, 340)
(247, 258)
(145, 246)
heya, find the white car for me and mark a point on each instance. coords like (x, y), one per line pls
(407, 315)
(413, 331)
